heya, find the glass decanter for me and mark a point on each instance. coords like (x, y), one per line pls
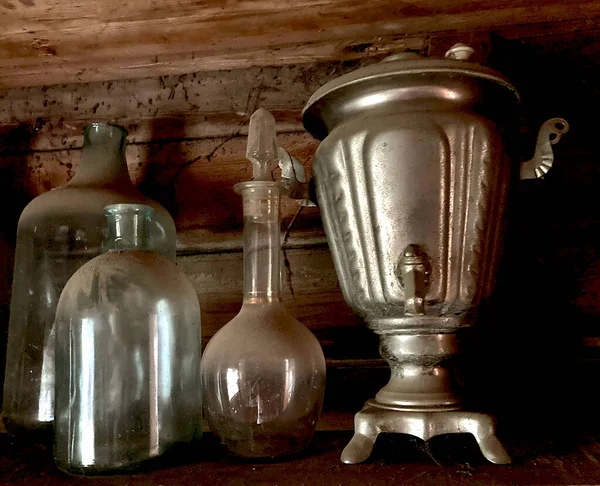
(58, 232)
(128, 344)
(263, 372)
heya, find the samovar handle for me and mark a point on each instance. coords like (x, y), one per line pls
(293, 176)
(549, 134)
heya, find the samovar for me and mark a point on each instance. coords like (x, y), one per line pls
(411, 177)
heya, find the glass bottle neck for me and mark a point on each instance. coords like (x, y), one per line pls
(128, 226)
(262, 246)
(103, 157)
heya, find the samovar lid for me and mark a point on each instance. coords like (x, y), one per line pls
(406, 78)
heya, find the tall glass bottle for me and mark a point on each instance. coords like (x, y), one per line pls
(58, 232)
(263, 372)
(128, 341)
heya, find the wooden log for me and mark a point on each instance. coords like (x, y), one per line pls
(73, 41)
(194, 179)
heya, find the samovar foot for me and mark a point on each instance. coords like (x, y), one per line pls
(374, 419)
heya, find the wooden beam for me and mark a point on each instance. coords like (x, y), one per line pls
(204, 105)
(58, 41)
(310, 290)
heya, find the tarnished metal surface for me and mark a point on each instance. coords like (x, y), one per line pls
(436, 179)
(423, 376)
(412, 176)
(373, 420)
(414, 271)
(293, 176)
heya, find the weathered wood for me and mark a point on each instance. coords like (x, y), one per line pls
(244, 55)
(310, 290)
(203, 105)
(77, 42)
(176, 173)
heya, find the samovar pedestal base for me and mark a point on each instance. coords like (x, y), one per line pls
(422, 397)
(375, 419)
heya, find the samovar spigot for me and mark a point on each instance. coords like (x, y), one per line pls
(414, 272)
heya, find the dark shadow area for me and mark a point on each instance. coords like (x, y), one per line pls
(194, 199)
(527, 362)
(155, 184)
(31, 456)
(401, 448)
(14, 142)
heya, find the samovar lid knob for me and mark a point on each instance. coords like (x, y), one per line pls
(460, 52)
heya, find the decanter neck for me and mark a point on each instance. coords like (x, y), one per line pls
(128, 226)
(262, 245)
(103, 157)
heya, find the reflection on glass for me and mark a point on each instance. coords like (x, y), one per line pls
(86, 398)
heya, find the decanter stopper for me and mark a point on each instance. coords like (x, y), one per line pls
(262, 150)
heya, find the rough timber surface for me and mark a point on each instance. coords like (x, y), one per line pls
(65, 41)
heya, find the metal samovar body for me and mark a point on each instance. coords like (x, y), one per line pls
(412, 176)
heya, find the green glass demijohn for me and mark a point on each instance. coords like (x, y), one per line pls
(58, 232)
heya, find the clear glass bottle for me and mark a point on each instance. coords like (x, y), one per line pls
(263, 372)
(128, 343)
(58, 232)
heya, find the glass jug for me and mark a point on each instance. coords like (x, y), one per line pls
(128, 344)
(58, 232)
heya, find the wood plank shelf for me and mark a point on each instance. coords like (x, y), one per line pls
(397, 460)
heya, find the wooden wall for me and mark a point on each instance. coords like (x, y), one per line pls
(538, 342)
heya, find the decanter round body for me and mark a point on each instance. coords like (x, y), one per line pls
(264, 378)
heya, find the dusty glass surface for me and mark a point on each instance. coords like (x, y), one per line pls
(58, 232)
(128, 343)
(264, 372)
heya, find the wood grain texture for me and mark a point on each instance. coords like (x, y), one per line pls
(194, 179)
(204, 105)
(74, 41)
(310, 289)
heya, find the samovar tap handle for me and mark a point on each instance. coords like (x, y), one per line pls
(414, 271)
